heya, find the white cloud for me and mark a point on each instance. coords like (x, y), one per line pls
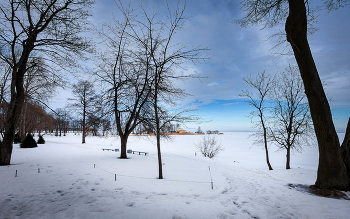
(213, 84)
(228, 104)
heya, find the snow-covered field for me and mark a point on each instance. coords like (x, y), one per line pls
(66, 179)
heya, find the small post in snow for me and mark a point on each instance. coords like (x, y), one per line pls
(115, 177)
(212, 186)
(16, 174)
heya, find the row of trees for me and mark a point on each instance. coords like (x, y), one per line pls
(281, 108)
(33, 119)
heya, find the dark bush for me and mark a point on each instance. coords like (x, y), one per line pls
(41, 140)
(29, 142)
(17, 139)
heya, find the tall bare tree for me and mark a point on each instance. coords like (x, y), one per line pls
(291, 125)
(166, 57)
(263, 85)
(123, 69)
(333, 172)
(84, 103)
(50, 28)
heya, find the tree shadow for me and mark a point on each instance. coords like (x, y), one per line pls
(313, 190)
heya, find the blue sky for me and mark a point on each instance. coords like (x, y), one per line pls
(240, 52)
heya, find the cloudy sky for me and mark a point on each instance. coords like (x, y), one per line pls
(237, 52)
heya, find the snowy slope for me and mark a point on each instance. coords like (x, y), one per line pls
(67, 179)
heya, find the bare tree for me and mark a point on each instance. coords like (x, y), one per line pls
(209, 146)
(165, 58)
(39, 86)
(84, 104)
(263, 85)
(199, 130)
(291, 123)
(124, 73)
(58, 115)
(43, 27)
(106, 126)
(332, 172)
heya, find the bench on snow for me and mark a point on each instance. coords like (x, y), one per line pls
(140, 152)
(107, 149)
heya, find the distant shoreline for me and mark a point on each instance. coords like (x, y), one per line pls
(172, 134)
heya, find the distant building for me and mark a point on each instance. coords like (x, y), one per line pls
(212, 132)
(180, 130)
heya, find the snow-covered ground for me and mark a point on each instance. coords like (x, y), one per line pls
(66, 179)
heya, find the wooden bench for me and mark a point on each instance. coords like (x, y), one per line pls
(140, 152)
(107, 149)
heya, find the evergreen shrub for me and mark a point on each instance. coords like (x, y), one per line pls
(29, 142)
(17, 139)
(41, 140)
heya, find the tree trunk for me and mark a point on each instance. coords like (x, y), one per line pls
(13, 115)
(123, 142)
(84, 131)
(288, 158)
(159, 155)
(331, 172)
(345, 147)
(266, 149)
(160, 165)
(23, 125)
(56, 134)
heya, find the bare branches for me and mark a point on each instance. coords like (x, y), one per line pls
(332, 5)
(263, 85)
(268, 13)
(285, 120)
(271, 13)
(210, 146)
(292, 127)
(42, 25)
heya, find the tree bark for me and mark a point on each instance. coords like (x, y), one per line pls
(23, 125)
(13, 115)
(123, 143)
(84, 127)
(288, 158)
(160, 165)
(331, 172)
(345, 147)
(265, 143)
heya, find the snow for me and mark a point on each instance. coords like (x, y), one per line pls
(66, 179)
